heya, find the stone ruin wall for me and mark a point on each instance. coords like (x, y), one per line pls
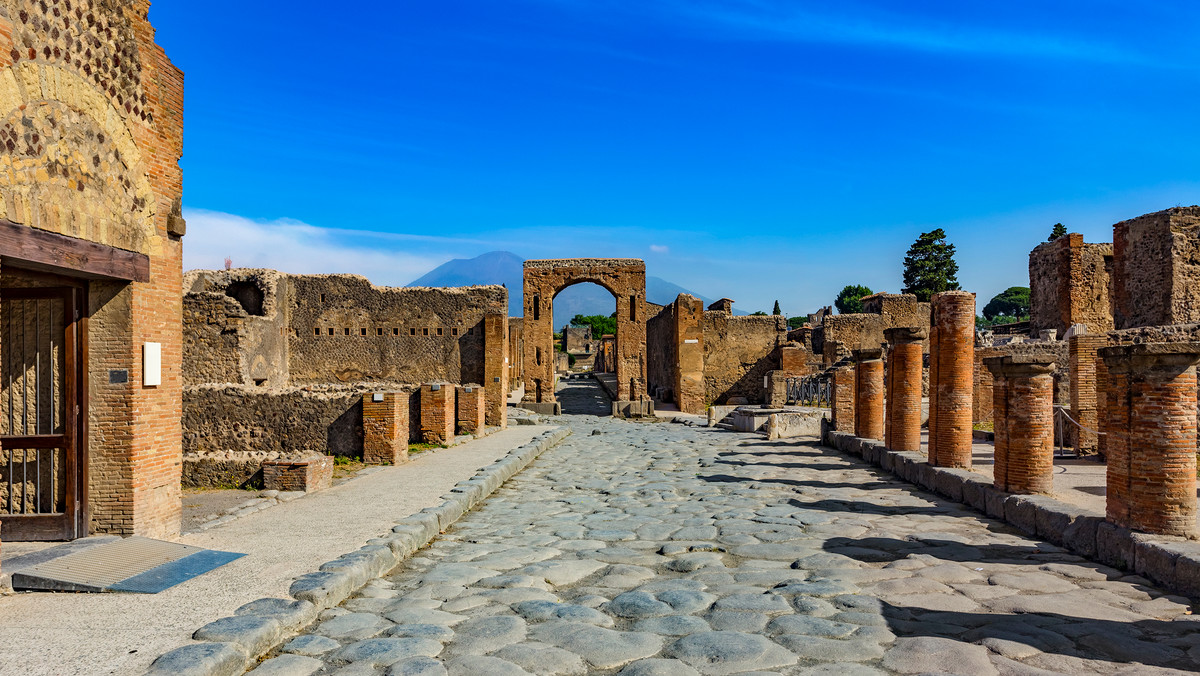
(840, 334)
(662, 361)
(262, 384)
(738, 353)
(516, 347)
(982, 403)
(1156, 269)
(1069, 283)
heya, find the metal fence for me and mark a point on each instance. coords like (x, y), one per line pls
(816, 391)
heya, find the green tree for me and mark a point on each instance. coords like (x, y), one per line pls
(600, 324)
(1058, 231)
(849, 299)
(1013, 303)
(758, 313)
(929, 266)
(797, 321)
(776, 311)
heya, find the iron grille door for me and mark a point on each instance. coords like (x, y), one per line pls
(40, 468)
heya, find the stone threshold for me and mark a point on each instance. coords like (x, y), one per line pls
(1171, 562)
(231, 645)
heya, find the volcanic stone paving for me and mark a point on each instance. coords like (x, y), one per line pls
(653, 548)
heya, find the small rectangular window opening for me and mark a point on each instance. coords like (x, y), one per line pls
(347, 331)
(395, 332)
(412, 332)
(317, 331)
(425, 331)
(331, 330)
(379, 332)
(439, 330)
(454, 332)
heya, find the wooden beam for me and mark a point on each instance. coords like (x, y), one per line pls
(23, 246)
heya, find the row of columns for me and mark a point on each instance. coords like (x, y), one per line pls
(1147, 411)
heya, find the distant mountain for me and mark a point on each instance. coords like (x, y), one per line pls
(503, 267)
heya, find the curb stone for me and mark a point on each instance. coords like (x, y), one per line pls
(233, 644)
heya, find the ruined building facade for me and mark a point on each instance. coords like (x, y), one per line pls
(91, 132)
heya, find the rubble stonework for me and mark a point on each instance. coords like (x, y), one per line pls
(1150, 423)
(881, 311)
(1024, 423)
(951, 387)
(625, 279)
(1156, 269)
(902, 429)
(868, 394)
(1069, 284)
(89, 152)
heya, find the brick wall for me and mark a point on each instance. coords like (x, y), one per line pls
(1156, 269)
(470, 409)
(313, 473)
(1069, 284)
(437, 413)
(385, 428)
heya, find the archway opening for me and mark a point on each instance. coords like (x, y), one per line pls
(585, 339)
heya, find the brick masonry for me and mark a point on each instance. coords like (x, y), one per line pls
(868, 390)
(437, 413)
(902, 430)
(471, 409)
(314, 473)
(1023, 399)
(1151, 426)
(1156, 269)
(842, 384)
(1069, 284)
(385, 428)
(1084, 359)
(951, 375)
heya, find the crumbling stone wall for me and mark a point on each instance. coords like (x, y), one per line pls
(91, 131)
(344, 329)
(1156, 269)
(1069, 284)
(738, 354)
(839, 335)
(516, 348)
(235, 328)
(578, 340)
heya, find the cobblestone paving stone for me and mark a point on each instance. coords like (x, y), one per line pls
(653, 548)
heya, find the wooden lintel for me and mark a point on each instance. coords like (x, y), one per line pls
(27, 247)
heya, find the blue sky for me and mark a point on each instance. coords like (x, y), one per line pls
(753, 149)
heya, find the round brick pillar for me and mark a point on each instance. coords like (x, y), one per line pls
(868, 394)
(1151, 448)
(952, 386)
(1023, 404)
(904, 388)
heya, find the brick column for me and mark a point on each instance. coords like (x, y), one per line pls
(868, 394)
(689, 349)
(903, 417)
(496, 358)
(385, 428)
(1082, 349)
(471, 411)
(843, 398)
(1151, 428)
(952, 382)
(1023, 401)
(437, 413)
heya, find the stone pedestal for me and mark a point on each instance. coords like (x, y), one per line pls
(471, 409)
(385, 428)
(1023, 402)
(1151, 428)
(312, 473)
(868, 394)
(951, 379)
(437, 413)
(902, 429)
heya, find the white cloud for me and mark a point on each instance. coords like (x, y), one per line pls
(292, 246)
(660, 248)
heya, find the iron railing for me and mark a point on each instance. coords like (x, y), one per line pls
(816, 391)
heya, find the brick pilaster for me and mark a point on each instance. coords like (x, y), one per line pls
(385, 428)
(951, 387)
(1023, 401)
(1151, 427)
(471, 413)
(903, 416)
(1083, 349)
(868, 391)
(437, 413)
(842, 385)
(496, 359)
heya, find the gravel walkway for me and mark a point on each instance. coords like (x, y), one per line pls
(652, 548)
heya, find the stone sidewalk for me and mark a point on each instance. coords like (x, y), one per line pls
(60, 634)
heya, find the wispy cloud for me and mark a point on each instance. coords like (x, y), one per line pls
(660, 248)
(292, 246)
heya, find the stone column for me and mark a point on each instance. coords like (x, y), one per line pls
(689, 346)
(1082, 349)
(1151, 427)
(868, 394)
(385, 428)
(903, 422)
(1023, 401)
(952, 386)
(437, 413)
(843, 398)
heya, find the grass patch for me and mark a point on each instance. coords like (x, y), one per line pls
(414, 449)
(985, 426)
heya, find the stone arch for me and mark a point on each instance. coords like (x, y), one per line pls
(625, 279)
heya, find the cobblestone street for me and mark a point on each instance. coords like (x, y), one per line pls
(658, 548)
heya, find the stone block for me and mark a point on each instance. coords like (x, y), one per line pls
(1114, 546)
(887, 460)
(1080, 535)
(975, 492)
(949, 482)
(994, 501)
(312, 473)
(543, 407)
(1052, 518)
(1187, 569)
(926, 477)
(639, 409)
(1021, 511)
(790, 425)
(1155, 558)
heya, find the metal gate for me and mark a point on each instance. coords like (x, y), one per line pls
(40, 464)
